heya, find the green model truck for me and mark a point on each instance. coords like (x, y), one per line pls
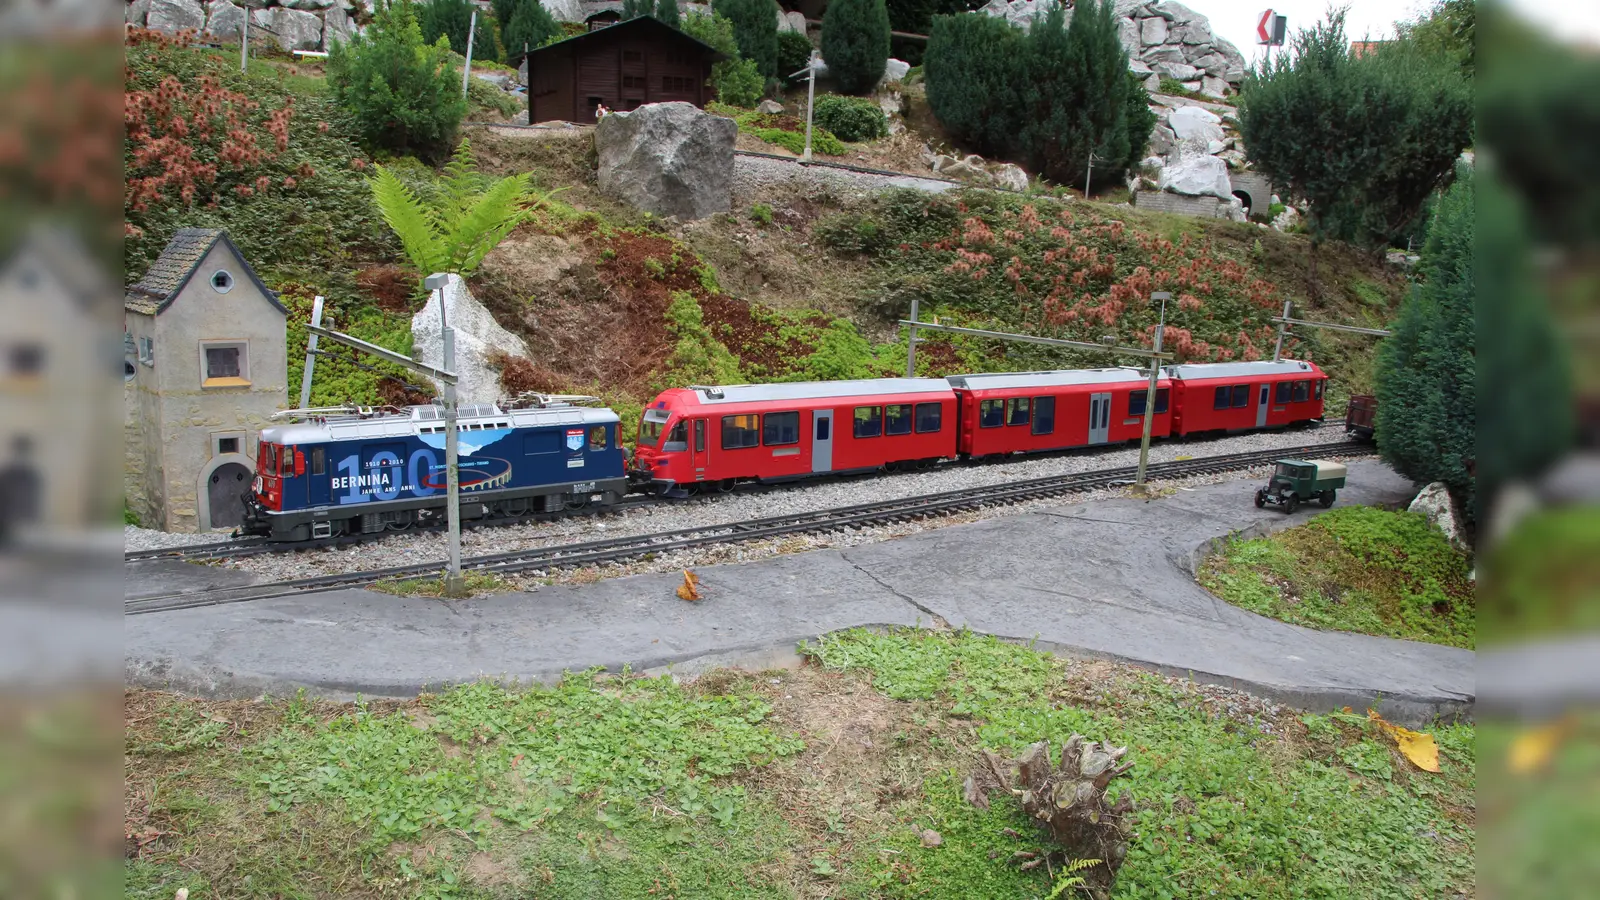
(1302, 480)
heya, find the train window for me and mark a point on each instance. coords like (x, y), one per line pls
(991, 413)
(780, 428)
(1241, 395)
(740, 432)
(823, 428)
(651, 425)
(1136, 401)
(1017, 411)
(597, 437)
(868, 421)
(928, 415)
(677, 438)
(1319, 389)
(1044, 415)
(699, 435)
(897, 419)
(1222, 398)
(319, 460)
(1163, 396)
(1280, 394)
(1302, 391)
(538, 442)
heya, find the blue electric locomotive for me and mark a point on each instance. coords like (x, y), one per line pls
(368, 471)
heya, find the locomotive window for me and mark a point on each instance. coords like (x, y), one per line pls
(781, 428)
(1017, 411)
(897, 419)
(678, 438)
(650, 426)
(740, 432)
(1222, 398)
(1044, 415)
(1302, 391)
(991, 413)
(319, 460)
(538, 442)
(1241, 395)
(928, 417)
(1319, 390)
(1280, 394)
(597, 437)
(869, 421)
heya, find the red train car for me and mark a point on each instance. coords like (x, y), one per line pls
(693, 438)
(1243, 396)
(1019, 412)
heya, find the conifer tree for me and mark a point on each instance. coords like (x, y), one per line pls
(855, 43)
(404, 93)
(1076, 99)
(973, 69)
(453, 20)
(667, 13)
(531, 26)
(633, 9)
(755, 28)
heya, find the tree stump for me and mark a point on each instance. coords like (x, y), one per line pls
(1069, 800)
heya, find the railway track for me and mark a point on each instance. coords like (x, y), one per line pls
(821, 521)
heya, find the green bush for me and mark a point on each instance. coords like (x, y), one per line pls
(762, 213)
(485, 95)
(755, 28)
(850, 118)
(854, 233)
(855, 42)
(697, 356)
(404, 93)
(795, 141)
(794, 52)
(452, 19)
(738, 82)
(668, 13)
(973, 70)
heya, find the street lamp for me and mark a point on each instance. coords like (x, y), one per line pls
(1150, 393)
(454, 584)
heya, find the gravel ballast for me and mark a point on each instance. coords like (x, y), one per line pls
(411, 549)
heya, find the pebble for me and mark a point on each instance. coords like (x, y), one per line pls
(709, 513)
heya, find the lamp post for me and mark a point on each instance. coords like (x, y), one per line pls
(466, 75)
(1150, 393)
(453, 583)
(811, 96)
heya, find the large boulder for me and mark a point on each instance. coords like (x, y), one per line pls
(564, 10)
(1175, 12)
(1010, 176)
(291, 28)
(671, 159)
(769, 107)
(1196, 123)
(1213, 87)
(1021, 12)
(479, 338)
(791, 21)
(338, 27)
(895, 70)
(175, 15)
(1197, 175)
(1179, 71)
(224, 19)
(1435, 503)
(136, 12)
(1153, 31)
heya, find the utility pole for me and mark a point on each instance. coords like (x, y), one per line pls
(244, 44)
(466, 73)
(1150, 393)
(911, 345)
(1286, 320)
(311, 353)
(811, 96)
(454, 585)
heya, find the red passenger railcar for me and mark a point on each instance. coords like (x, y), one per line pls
(1018, 412)
(692, 438)
(1242, 396)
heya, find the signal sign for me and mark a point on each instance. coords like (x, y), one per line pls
(1271, 29)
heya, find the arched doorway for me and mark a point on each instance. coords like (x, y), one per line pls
(21, 492)
(1249, 204)
(223, 488)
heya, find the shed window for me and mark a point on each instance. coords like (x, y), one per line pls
(1136, 401)
(633, 81)
(991, 413)
(868, 421)
(222, 362)
(1302, 391)
(147, 351)
(740, 432)
(928, 417)
(1017, 411)
(1044, 415)
(27, 359)
(629, 56)
(1280, 394)
(1241, 395)
(897, 419)
(780, 428)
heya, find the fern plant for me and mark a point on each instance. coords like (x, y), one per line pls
(465, 218)
(1069, 877)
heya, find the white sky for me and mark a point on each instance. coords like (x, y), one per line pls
(1575, 20)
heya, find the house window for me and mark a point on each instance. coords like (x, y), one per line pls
(633, 81)
(221, 281)
(739, 432)
(147, 351)
(781, 428)
(629, 56)
(224, 365)
(227, 445)
(27, 359)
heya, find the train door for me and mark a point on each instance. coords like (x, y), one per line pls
(1262, 405)
(822, 440)
(1099, 418)
(697, 452)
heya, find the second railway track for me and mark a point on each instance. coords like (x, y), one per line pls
(624, 548)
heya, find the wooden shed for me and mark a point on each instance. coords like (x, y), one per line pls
(622, 66)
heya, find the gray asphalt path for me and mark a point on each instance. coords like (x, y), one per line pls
(1108, 578)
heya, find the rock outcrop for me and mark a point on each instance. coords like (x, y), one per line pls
(294, 29)
(291, 24)
(671, 159)
(1435, 503)
(479, 338)
(176, 15)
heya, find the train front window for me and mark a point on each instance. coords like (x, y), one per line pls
(650, 426)
(678, 437)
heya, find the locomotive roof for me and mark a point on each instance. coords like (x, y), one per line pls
(1056, 378)
(817, 390)
(430, 419)
(1239, 369)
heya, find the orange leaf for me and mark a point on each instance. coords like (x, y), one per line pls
(687, 591)
(1534, 748)
(1414, 745)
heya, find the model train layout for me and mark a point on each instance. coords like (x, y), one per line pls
(375, 470)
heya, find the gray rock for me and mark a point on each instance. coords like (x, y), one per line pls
(1192, 86)
(1123, 9)
(564, 10)
(1139, 67)
(895, 69)
(1196, 32)
(1153, 31)
(769, 107)
(1128, 35)
(1152, 84)
(671, 159)
(1175, 12)
(501, 80)
(1234, 158)
(293, 29)
(961, 169)
(940, 161)
(1154, 55)
(338, 27)
(308, 5)
(1286, 220)
(175, 15)
(1196, 123)
(1233, 76)
(1213, 87)
(478, 338)
(1197, 176)
(891, 102)
(1235, 210)
(136, 12)
(975, 161)
(1179, 71)
(796, 22)
(224, 19)
(1021, 13)
(1229, 52)
(1010, 176)
(1435, 503)
(1162, 140)
(1215, 147)
(1212, 63)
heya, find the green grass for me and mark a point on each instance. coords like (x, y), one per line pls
(475, 582)
(1544, 578)
(808, 784)
(1356, 569)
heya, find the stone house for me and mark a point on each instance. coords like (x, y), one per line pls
(209, 366)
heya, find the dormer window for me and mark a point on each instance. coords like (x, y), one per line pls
(221, 281)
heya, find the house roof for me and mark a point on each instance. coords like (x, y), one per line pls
(153, 293)
(62, 254)
(636, 24)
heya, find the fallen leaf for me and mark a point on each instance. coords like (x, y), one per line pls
(687, 590)
(1414, 745)
(1533, 749)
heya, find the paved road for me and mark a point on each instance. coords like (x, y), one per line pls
(1106, 578)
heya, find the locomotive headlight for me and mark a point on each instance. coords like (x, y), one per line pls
(255, 486)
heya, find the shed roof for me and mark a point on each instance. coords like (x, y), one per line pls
(153, 293)
(640, 23)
